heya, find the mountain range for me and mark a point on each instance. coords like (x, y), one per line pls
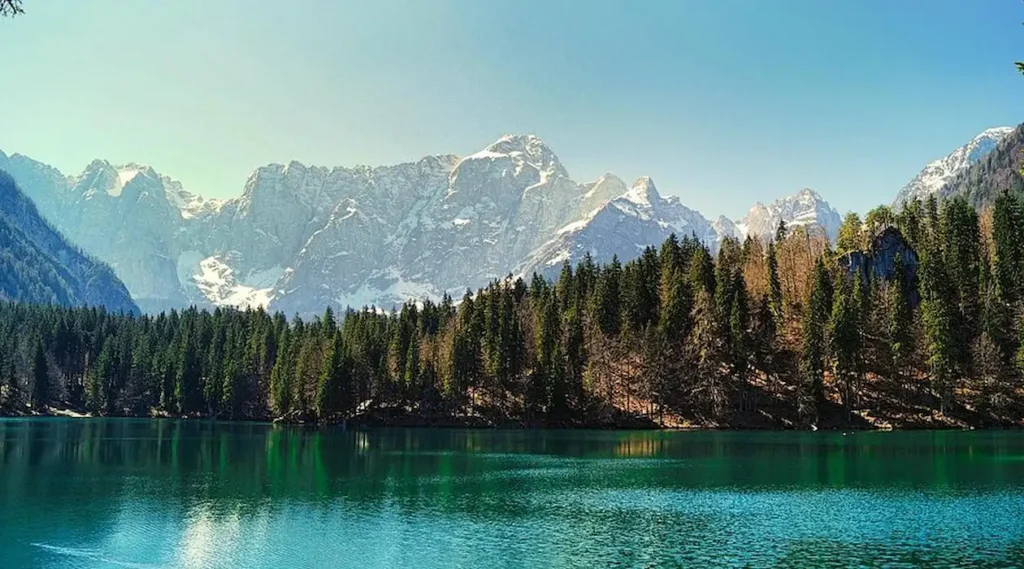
(300, 237)
(38, 266)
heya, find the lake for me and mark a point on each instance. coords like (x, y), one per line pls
(161, 493)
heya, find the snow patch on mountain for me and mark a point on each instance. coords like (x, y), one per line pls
(387, 289)
(805, 208)
(216, 280)
(937, 173)
(301, 237)
(125, 174)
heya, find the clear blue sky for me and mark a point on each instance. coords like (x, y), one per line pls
(722, 102)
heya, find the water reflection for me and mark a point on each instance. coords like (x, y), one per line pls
(193, 494)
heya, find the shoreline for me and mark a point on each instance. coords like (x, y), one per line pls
(479, 423)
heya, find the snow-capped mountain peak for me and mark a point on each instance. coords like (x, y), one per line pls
(937, 173)
(301, 237)
(529, 149)
(643, 192)
(804, 208)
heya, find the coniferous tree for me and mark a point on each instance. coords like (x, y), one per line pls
(961, 241)
(40, 377)
(938, 314)
(739, 325)
(844, 341)
(187, 385)
(764, 334)
(910, 221)
(4, 376)
(606, 303)
(281, 375)
(878, 219)
(99, 391)
(565, 287)
(704, 354)
(1008, 240)
(640, 283)
(781, 231)
(899, 319)
(813, 353)
(851, 234)
(334, 381)
(575, 356)
(702, 273)
(546, 332)
(774, 282)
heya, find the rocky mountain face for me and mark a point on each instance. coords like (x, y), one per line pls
(37, 265)
(879, 261)
(997, 171)
(943, 171)
(301, 237)
(625, 221)
(128, 216)
(805, 208)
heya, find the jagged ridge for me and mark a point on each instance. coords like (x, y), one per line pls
(301, 237)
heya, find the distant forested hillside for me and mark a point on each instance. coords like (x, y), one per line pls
(37, 265)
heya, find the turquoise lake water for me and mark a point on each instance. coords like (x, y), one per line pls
(158, 493)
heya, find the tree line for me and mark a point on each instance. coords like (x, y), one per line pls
(785, 332)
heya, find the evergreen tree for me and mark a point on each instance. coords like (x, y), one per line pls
(99, 391)
(640, 283)
(899, 318)
(851, 234)
(739, 325)
(961, 241)
(878, 219)
(910, 221)
(281, 375)
(702, 273)
(607, 299)
(781, 231)
(546, 332)
(40, 377)
(764, 334)
(676, 304)
(938, 315)
(334, 381)
(5, 380)
(774, 282)
(844, 340)
(575, 356)
(1008, 240)
(704, 354)
(813, 353)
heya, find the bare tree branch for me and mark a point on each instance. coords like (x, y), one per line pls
(11, 8)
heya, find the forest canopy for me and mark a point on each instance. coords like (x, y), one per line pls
(787, 332)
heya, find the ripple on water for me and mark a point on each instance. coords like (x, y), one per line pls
(194, 497)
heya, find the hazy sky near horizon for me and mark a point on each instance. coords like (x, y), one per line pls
(722, 102)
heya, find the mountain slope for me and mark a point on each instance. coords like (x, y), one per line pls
(941, 172)
(620, 227)
(37, 265)
(299, 237)
(997, 171)
(805, 208)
